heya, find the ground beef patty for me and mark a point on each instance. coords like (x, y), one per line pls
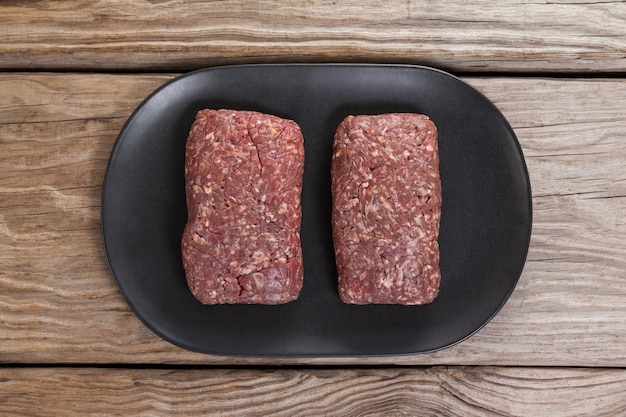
(386, 194)
(243, 174)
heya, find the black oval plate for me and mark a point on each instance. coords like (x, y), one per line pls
(485, 224)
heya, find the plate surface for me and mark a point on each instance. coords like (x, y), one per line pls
(485, 224)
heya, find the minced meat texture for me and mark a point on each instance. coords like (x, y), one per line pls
(386, 194)
(243, 177)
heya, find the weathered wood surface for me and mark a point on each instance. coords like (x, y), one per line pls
(521, 36)
(441, 391)
(558, 347)
(59, 303)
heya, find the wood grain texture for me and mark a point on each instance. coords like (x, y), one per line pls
(59, 303)
(512, 35)
(439, 391)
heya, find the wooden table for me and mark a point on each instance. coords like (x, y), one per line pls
(72, 73)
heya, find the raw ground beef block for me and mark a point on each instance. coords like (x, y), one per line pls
(243, 175)
(386, 194)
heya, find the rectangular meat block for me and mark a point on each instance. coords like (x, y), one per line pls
(243, 175)
(386, 193)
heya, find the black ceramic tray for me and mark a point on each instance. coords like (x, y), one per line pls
(485, 223)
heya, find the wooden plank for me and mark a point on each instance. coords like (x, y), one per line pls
(442, 391)
(59, 303)
(512, 35)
